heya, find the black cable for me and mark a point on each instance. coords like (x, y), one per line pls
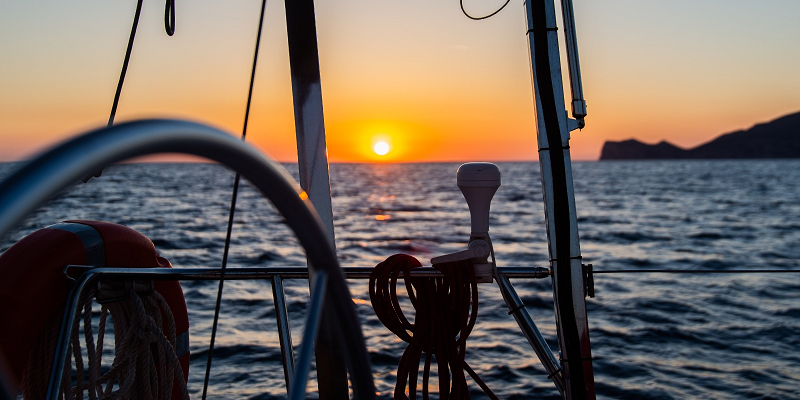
(169, 24)
(461, 2)
(699, 271)
(234, 195)
(169, 17)
(125, 62)
(121, 80)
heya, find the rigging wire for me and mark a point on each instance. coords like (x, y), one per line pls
(125, 62)
(461, 3)
(234, 195)
(169, 26)
(698, 271)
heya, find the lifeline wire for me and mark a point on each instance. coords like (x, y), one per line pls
(461, 2)
(234, 195)
(698, 271)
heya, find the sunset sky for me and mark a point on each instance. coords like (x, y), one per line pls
(416, 74)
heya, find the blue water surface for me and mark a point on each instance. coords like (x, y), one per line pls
(654, 336)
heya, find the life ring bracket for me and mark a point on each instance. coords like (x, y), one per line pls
(109, 290)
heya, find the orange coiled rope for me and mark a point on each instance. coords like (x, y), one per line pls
(446, 309)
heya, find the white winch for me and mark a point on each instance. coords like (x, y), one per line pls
(478, 182)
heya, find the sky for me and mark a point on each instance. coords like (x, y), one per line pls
(416, 74)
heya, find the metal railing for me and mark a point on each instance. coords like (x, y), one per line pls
(296, 373)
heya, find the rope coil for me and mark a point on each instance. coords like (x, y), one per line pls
(446, 310)
(145, 363)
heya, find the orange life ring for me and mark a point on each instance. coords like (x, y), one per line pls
(33, 285)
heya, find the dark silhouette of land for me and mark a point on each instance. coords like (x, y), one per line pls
(779, 138)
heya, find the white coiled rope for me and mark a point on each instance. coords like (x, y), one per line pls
(145, 364)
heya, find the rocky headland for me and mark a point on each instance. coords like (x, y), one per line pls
(779, 138)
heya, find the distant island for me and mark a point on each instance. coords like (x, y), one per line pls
(779, 138)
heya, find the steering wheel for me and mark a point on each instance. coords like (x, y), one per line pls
(51, 172)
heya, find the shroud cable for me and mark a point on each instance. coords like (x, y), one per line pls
(234, 195)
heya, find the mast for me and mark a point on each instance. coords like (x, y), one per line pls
(312, 155)
(553, 128)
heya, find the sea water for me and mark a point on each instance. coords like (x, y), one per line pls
(653, 335)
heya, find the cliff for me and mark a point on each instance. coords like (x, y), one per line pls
(779, 138)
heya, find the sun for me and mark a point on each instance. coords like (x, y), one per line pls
(381, 148)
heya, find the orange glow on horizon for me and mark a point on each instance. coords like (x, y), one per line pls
(357, 141)
(432, 84)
